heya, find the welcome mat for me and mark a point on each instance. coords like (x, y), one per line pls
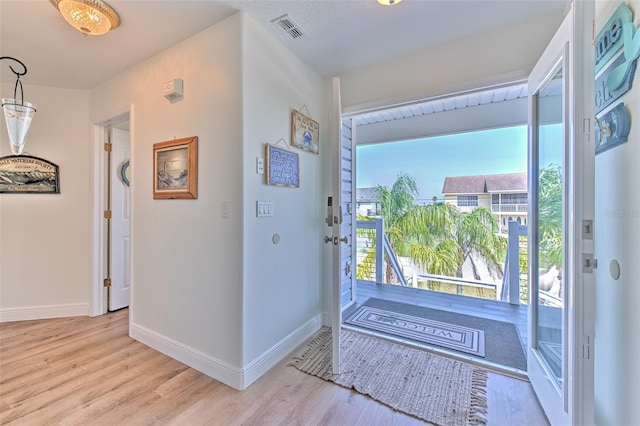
(502, 343)
(436, 389)
(450, 336)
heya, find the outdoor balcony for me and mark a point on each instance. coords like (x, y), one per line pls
(489, 300)
(509, 208)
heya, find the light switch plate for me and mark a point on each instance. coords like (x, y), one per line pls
(264, 208)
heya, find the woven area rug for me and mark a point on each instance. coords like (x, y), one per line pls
(430, 387)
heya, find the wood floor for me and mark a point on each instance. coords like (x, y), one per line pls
(87, 371)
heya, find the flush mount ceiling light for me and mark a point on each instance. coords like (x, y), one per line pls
(389, 2)
(91, 17)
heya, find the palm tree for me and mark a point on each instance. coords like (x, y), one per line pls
(550, 215)
(439, 237)
(476, 234)
(397, 206)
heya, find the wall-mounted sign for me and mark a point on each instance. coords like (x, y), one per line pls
(283, 167)
(305, 132)
(612, 128)
(605, 96)
(609, 40)
(24, 174)
(614, 77)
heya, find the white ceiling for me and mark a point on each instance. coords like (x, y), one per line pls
(339, 35)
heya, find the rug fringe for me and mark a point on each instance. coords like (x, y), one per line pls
(312, 345)
(479, 406)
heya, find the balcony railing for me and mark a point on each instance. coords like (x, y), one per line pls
(509, 208)
(371, 257)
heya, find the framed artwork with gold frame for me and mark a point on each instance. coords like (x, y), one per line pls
(175, 169)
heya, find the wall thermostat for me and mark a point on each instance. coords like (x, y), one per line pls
(173, 89)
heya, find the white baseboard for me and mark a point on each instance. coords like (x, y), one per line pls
(43, 312)
(198, 360)
(326, 319)
(237, 378)
(277, 352)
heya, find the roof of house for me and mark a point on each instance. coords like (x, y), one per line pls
(364, 195)
(481, 184)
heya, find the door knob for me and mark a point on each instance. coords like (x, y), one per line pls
(327, 239)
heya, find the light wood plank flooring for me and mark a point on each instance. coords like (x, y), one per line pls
(87, 371)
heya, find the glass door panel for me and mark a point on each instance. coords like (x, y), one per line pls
(549, 254)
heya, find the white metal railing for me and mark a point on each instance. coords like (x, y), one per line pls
(510, 288)
(454, 280)
(381, 240)
(509, 208)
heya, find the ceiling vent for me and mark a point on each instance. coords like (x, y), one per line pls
(287, 24)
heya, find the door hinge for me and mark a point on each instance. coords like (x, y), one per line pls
(108, 147)
(587, 229)
(107, 214)
(586, 348)
(107, 282)
(589, 263)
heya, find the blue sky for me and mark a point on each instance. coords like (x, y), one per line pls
(430, 160)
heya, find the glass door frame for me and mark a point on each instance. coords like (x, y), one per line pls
(573, 44)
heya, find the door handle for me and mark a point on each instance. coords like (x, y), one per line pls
(335, 240)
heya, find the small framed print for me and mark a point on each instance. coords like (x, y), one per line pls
(305, 132)
(283, 167)
(175, 169)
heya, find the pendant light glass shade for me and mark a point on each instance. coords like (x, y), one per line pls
(389, 2)
(91, 17)
(18, 117)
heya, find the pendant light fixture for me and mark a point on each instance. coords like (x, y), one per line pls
(17, 115)
(389, 2)
(91, 17)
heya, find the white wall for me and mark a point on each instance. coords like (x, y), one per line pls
(186, 259)
(282, 282)
(617, 231)
(215, 292)
(44, 239)
(468, 63)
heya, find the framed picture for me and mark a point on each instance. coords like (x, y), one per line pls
(305, 132)
(283, 167)
(175, 169)
(24, 174)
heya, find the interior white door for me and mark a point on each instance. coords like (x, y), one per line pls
(340, 217)
(120, 215)
(561, 188)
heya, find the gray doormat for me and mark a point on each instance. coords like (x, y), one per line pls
(450, 336)
(501, 339)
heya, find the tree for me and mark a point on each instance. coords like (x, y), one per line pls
(439, 237)
(550, 215)
(476, 234)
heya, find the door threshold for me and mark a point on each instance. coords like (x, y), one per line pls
(492, 366)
